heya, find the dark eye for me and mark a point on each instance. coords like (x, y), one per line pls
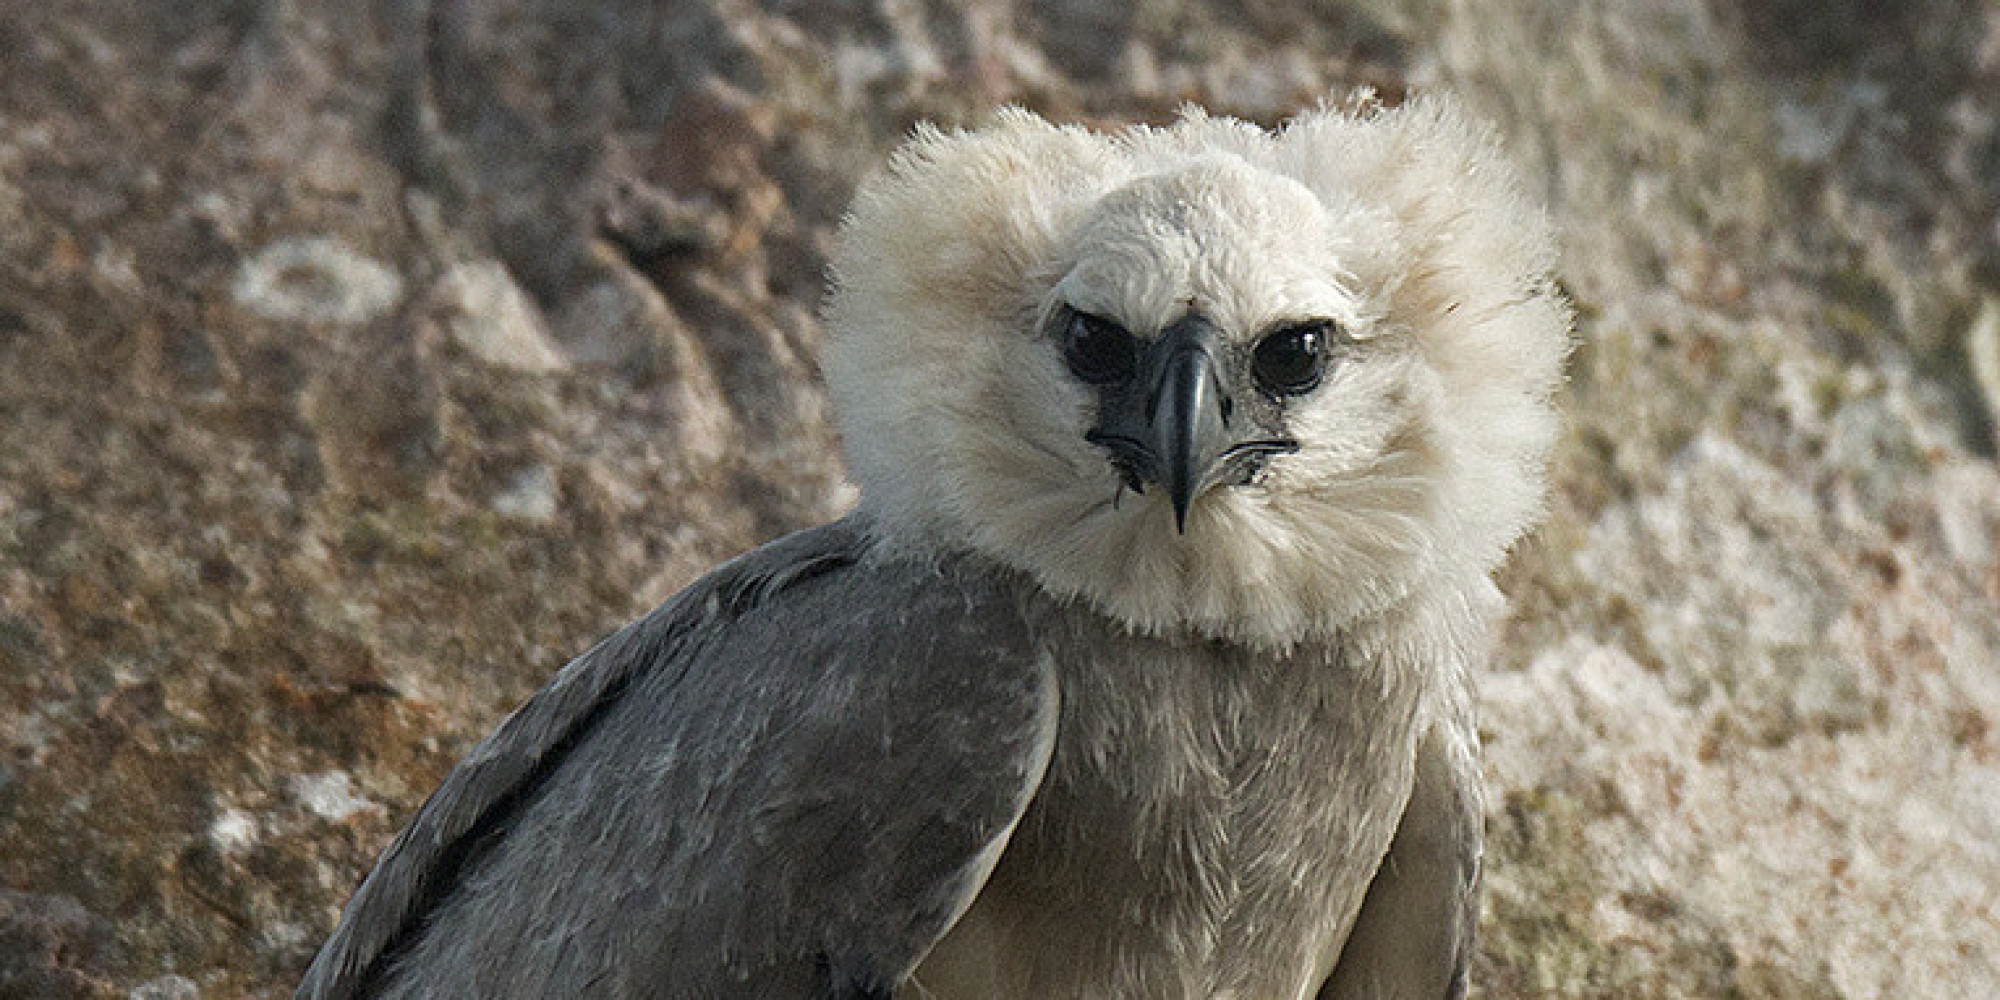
(1098, 350)
(1291, 360)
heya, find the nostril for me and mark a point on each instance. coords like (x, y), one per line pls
(1228, 408)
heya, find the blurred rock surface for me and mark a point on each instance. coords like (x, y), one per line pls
(361, 362)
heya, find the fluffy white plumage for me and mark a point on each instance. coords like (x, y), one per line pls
(1422, 452)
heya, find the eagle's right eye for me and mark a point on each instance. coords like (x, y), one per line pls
(1290, 361)
(1098, 350)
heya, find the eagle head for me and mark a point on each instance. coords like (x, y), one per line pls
(1209, 378)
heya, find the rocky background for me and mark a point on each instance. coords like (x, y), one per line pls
(362, 361)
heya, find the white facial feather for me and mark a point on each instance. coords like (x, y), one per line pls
(1422, 450)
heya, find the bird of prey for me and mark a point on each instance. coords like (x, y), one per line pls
(1142, 667)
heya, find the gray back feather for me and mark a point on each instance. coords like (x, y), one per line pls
(787, 780)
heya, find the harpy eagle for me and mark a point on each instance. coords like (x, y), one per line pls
(1142, 667)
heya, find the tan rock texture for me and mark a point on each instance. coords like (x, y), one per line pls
(360, 362)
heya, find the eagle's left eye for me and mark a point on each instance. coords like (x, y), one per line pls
(1291, 361)
(1098, 350)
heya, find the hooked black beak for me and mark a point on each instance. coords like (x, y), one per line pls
(1171, 423)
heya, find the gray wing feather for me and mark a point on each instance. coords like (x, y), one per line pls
(1414, 936)
(786, 781)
